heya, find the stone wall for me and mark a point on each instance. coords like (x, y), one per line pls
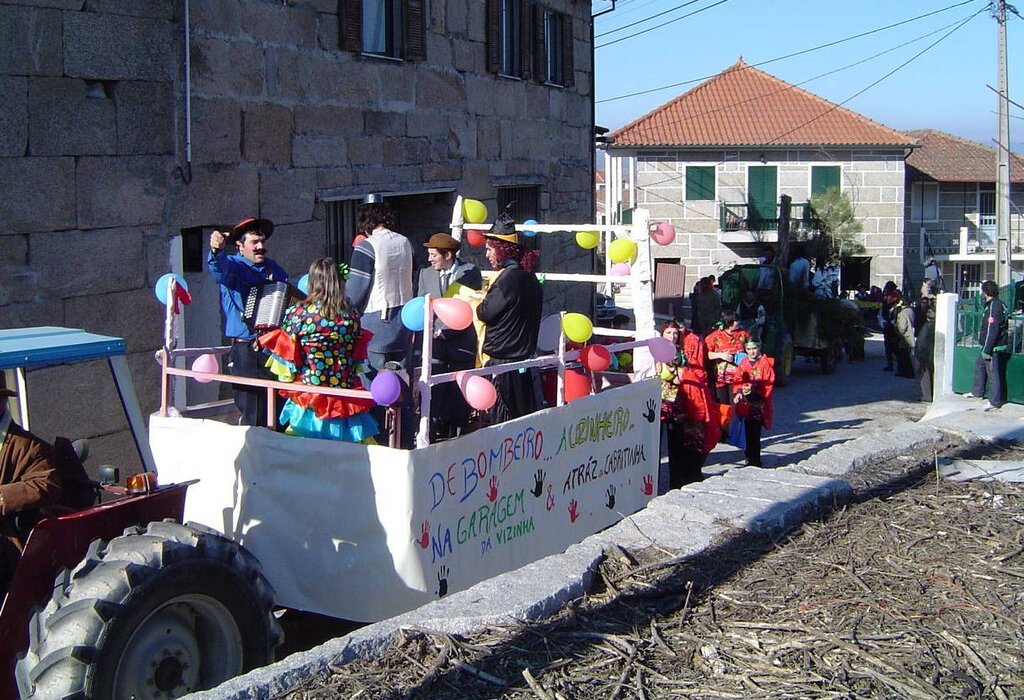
(94, 179)
(873, 180)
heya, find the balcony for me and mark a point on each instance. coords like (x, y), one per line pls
(741, 223)
(945, 240)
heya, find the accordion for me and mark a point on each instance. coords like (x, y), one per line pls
(265, 305)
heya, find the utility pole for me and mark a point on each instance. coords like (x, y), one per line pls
(1003, 249)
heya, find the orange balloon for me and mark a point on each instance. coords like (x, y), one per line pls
(596, 358)
(474, 237)
(577, 384)
(358, 239)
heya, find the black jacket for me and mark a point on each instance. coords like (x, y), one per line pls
(511, 314)
(993, 327)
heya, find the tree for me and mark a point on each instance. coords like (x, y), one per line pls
(836, 235)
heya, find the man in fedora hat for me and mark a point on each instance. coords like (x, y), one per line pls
(511, 312)
(452, 350)
(28, 481)
(238, 272)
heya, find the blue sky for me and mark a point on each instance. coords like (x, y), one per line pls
(944, 88)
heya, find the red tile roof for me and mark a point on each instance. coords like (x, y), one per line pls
(948, 158)
(743, 106)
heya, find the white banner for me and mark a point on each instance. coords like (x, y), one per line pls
(364, 532)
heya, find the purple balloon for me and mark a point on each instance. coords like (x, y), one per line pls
(386, 387)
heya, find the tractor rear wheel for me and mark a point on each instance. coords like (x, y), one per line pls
(158, 612)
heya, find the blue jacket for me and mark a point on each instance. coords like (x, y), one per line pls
(236, 275)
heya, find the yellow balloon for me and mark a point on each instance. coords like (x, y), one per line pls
(577, 327)
(474, 211)
(622, 250)
(588, 240)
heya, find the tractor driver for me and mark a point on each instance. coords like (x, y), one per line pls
(28, 481)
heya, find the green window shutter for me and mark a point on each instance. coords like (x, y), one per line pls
(823, 177)
(762, 191)
(700, 182)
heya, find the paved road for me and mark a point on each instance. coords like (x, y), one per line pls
(816, 411)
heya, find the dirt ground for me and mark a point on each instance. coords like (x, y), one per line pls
(915, 589)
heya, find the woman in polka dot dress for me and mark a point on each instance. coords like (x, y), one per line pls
(320, 343)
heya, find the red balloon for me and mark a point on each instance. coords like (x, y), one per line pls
(474, 237)
(577, 384)
(596, 358)
(358, 239)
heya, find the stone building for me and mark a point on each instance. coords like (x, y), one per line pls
(951, 210)
(129, 128)
(715, 160)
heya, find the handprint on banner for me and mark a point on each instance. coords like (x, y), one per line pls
(573, 511)
(648, 485)
(424, 540)
(538, 484)
(649, 414)
(610, 493)
(442, 582)
(551, 498)
(492, 495)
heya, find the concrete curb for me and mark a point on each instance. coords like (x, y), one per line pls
(688, 520)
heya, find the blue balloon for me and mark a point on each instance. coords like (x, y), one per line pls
(529, 234)
(412, 314)
(160, 288)
(303, 284)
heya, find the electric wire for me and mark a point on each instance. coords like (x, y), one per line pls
(793, 54)
(647, 19)
(659, 26)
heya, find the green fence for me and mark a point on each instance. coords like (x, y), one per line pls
(970, 316)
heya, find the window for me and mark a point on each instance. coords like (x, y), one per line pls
(700, 182)
(508, 40)
(524, 204)
(390, 28)
(527, 40)
(924, 201)
(823, 177)
(340, 228)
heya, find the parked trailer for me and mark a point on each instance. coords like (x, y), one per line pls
(360, 532)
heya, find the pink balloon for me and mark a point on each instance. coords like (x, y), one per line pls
(662, 349)
(596, 358)
(206, 364)
(479, 392)
(620, 269)
(457, 314)
(664, 233)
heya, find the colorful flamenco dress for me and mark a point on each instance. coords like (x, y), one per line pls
(321, 351)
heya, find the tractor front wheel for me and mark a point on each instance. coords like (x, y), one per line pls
(158, 612)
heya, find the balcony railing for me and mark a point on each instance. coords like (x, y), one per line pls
(945, 238)
(742, 216)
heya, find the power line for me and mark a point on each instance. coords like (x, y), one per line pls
(659, 26)
(645, 19)
(791, 55)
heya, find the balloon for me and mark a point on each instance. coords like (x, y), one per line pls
(577, 327)
(550, 331)
(474, 211)
(664, 233)
(625, 361)
(662, 349)
(620, 269)
(303, 284)
(160, 288)
(475, 238)
(622, 250)
(577, 384)
(386, 387)
(454, 313)
(358, 239)
(206, 363)
(596, 358)
(412, 313)
(479, 392)
(587, 240)
(529, 222)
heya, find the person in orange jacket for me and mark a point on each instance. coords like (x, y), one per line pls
(753, 384)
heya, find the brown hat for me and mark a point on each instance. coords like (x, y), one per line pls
(442, 241)
(264, 226)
